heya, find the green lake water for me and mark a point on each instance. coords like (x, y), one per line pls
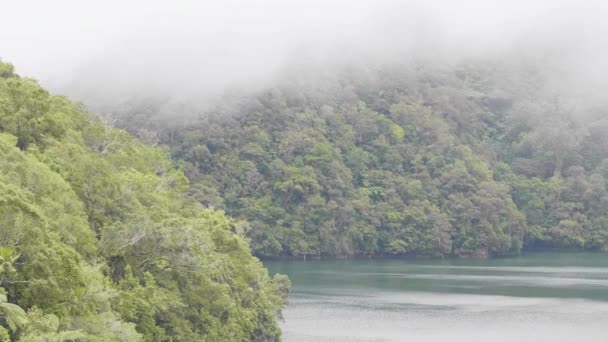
(536, 297)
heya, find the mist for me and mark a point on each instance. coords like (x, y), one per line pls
(105, 53)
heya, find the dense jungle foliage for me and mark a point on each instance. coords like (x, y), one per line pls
(476, 158)
(100, 241)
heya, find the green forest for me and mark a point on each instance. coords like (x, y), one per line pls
(147, 224)
(101, 240)
(478, 158)
(303, 171)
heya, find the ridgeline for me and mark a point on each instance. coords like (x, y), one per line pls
(473, 159)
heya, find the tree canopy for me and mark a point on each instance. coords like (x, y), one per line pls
(477, 158)
(100, 240)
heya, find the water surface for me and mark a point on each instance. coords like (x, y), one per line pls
(535, 297)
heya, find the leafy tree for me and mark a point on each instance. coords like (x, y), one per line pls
(100, 240)
(11, 314)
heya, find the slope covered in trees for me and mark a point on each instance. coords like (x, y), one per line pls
(472, 159)
(99, 240)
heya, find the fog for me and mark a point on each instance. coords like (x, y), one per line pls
(105, 52)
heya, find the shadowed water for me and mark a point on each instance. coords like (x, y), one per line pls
(535, 297)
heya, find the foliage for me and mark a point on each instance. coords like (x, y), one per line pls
(472, 159)
(99, 240)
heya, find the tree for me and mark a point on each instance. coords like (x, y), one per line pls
(100, 240)
(11, 314)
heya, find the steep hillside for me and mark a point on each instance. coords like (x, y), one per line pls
(99, 240)
(474, 159)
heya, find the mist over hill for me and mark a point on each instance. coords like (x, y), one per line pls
(368, 128)
(197, 50)
(476, 158)
(209, 133)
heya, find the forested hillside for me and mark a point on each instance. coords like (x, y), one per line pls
(99, 240)
(476, 158)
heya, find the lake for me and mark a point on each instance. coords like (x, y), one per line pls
(534, 297)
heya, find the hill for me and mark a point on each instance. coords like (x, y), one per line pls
(101, 242)
(475, 158)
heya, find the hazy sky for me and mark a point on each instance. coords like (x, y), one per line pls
(126, 47)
